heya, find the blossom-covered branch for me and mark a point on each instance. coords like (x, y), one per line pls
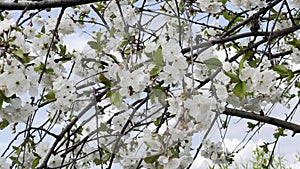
(132, 82)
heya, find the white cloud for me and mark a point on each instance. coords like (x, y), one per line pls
(286, 149)
(76, 41)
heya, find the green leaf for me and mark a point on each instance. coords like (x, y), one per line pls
(245, 57)
(17, 149)
(94, 45)
(103, 127)
(50, 95)
(280, 132)
(240, 89)
(21, 56)
(112, 31)
(35, 162)
(15, 160)
(3, 98)
(105, 81)
(124, 43)
(116, 98)
(273, 10)
(41, 67)
(297, 84)
(97, 161)
(230, 16)
(63, 49)
(175, 151)
(223, 1)
(103, 160)
(43, 30)
(157, 121)
(3, 124)
(213, 63)
(155, 70)
(227, 16)
(251, 126)
(159, 94)
(106, 158)
(19, 53)
(98, 36)
(234, 78)
(282, 70)
(295, 42)
(49, 70)
(157, 56)
(253, 63)
(151, 159)
(265, 148)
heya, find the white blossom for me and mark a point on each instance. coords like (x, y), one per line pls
(66, 26)
(29, 32)
(16, 83)
(199, 107)
(221, 92)
(5, 25)
(211, 6)
(214, 151)
(171, 50)
(295, 3)
(55, 161)
(295, 55)
(16, 111)
(42, 148)
(171, 74)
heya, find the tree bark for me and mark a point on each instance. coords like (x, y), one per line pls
(29, 5)
(264, 119)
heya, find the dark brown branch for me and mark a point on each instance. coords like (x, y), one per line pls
(243, 35)
(138, 103)
(262, 11)
(278, 55)
(224, 40)
(277, 34)
(29, 5)
(265, 119)
(55, 31)
(101, 16)
(59, 137)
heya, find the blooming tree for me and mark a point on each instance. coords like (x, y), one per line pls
(153, 74)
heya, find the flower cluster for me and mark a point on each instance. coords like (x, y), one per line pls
(214, 151)
(248, 4)
(255, 86)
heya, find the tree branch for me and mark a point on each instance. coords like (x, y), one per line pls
(265, 119)
(59, 137)
(224, 40)
(243, 35)
(29, 5)
(262, 11)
